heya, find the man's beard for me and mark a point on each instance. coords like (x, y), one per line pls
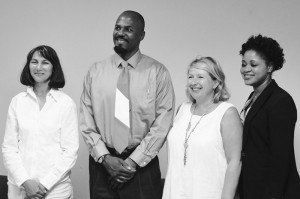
(119, 50)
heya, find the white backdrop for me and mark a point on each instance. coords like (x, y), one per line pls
(176, 31)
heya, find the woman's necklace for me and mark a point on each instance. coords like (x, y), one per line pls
(187, 136)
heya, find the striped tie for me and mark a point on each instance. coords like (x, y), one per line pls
(122, 114)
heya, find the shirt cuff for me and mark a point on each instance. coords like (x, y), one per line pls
(22, 177)
(48, 181)
(140, 158)
(99, 150)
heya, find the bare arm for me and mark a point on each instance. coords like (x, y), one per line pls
(231, 129)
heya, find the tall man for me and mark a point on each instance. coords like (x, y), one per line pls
(127, 108)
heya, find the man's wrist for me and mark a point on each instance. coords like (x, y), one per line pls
(132, 163)
(102, 158)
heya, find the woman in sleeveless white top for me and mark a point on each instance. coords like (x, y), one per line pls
(208, 166)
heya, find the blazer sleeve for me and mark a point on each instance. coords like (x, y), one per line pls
(282, 117)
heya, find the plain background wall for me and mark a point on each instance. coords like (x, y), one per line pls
(176, 31)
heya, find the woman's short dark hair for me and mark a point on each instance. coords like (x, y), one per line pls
(267, 48)
(57, 79)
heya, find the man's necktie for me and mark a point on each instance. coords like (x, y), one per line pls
(122, 113)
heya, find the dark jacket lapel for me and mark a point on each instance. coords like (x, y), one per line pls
(256, 107)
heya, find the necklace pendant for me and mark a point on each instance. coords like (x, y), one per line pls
(185, 145)
(187, 135)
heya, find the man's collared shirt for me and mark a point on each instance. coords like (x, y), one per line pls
(152, 106)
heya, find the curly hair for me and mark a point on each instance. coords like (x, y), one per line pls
(215, 71)
(267, 48)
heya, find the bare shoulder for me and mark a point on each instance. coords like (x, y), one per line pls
(231, 118)
(231, 112)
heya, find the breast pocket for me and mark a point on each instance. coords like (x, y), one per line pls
(143, 92)
(151, 91)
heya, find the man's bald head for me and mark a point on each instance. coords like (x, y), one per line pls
(135, 16)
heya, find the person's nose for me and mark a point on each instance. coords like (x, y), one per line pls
(246, 68)
(193, 81)
(120, 32)
(39, 66)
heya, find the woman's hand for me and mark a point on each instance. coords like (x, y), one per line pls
(34, 189)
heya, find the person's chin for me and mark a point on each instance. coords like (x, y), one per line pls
(119, 49)
(248, 83)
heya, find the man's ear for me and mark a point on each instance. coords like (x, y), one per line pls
(142, 35)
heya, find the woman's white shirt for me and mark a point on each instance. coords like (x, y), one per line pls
(40, 144)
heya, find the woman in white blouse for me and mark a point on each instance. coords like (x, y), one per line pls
(41, 137)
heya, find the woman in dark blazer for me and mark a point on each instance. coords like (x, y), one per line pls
(269, 117)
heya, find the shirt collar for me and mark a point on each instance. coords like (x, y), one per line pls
(53, 93)
(133, 61)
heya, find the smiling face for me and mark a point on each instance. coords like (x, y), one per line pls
(254, 70)
(127, 35)
(199, 83)
(40, 68)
